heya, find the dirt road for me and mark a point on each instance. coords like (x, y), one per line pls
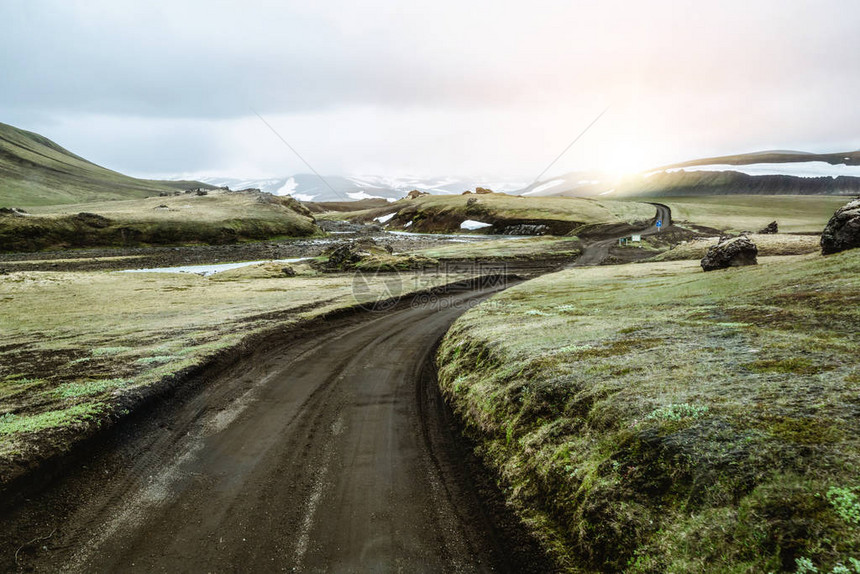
(333, 453)
(594, 253)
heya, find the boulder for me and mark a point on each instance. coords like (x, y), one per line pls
(771, 228)
(467, 192)
(415, 194)
(843, 229)
(483, 190)
(472, 201)
(733, 252)
(344, 255)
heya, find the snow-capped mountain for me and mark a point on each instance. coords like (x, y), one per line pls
(309, 187)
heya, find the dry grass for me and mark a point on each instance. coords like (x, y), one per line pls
(654, 418)
(217, 218)
(215, 206)
(793, 213)
(75, 343)
(768, 245)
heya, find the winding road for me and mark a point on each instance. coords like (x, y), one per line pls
(329, 452)
(594, 253)
(334, 453)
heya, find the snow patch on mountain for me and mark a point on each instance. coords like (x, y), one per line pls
(796, 169)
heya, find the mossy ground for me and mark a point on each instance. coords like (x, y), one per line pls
(768, 245)
(653, 418)
(76, 344)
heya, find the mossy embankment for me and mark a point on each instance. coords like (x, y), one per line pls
(651, 418)
(217, 218)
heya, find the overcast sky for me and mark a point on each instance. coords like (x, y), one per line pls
(448, 87)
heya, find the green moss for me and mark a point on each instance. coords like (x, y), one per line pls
(87, 388)
(158, 359)
(793, 365)
(846, 503)
(13, 424)
(667, 426)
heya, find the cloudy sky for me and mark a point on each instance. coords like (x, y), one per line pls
(448, 87)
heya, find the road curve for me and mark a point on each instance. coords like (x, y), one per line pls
(594, 253)
(331, 454)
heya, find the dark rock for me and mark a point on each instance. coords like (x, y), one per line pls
(202, 192)
(472, 201)
(331, 225)
(483, 190)
(165, 194)
(771, 228)
(345, 255)
(415, 194)
(525, 229)
(843, 229)
(288, 271)
(734, 252)
(287, 201)
(13, 211)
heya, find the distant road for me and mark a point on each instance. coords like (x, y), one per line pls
(331, 454)
(594, 253)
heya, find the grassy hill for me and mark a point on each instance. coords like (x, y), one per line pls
(445, 213)
(220, 217)
(36, 171)
(654, 418)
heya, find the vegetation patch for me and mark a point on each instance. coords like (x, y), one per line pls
(651, 418)
(217, 218)
(796, 365)
(73, 357)
(17, 424)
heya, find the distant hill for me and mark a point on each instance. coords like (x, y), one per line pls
(36, 171)
(772, 156)
(758, 173)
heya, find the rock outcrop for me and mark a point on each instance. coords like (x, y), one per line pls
(734, 252)
(526, 229)
(843, 229)
(771, 228)
(483, 190)
(13, 211)
(414, 194)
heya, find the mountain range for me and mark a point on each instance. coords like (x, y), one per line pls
(36, 171)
